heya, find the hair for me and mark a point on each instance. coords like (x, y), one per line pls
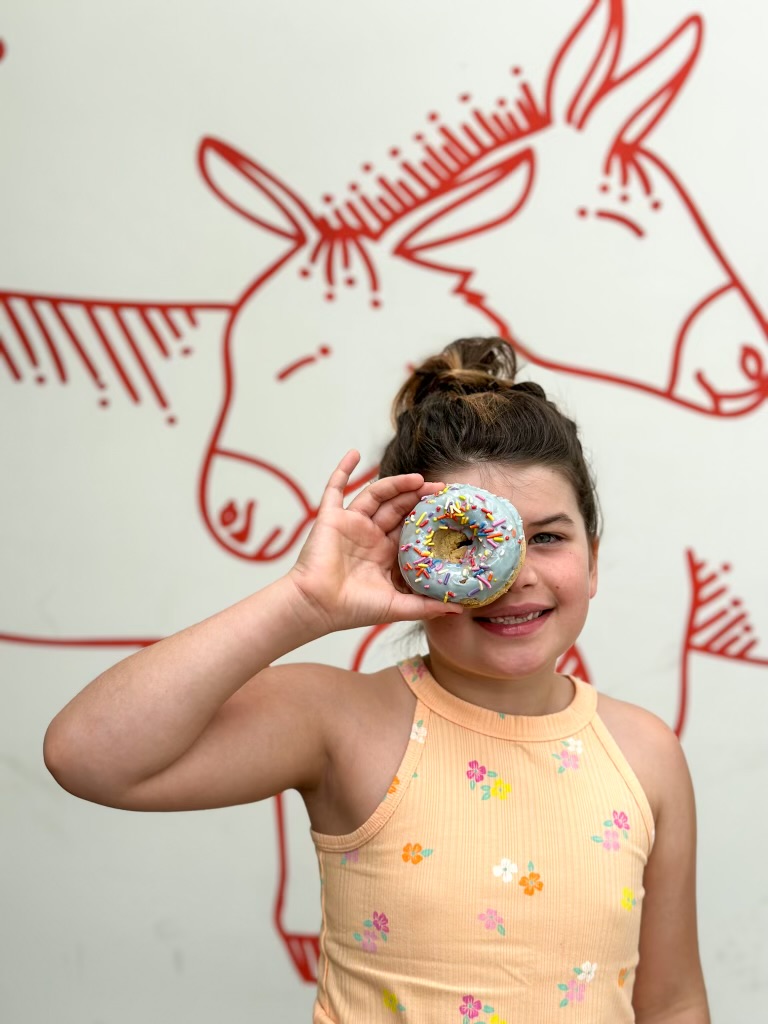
(463, 407)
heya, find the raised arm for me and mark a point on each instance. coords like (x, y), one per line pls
(199, 719)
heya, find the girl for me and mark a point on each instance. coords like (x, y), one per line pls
(496, 841)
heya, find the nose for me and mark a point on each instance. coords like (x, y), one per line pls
(527, 576)
(719, 365)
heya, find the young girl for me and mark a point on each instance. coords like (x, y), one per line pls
(497, 842)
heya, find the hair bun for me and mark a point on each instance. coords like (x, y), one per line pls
(465, 367)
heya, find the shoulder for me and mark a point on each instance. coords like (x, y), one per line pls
(328, 701)
(650, 747)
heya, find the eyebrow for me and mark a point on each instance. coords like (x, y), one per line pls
(559, 517)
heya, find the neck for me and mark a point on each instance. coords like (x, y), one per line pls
(544, 693)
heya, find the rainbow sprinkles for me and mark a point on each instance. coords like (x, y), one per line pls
(463, 544)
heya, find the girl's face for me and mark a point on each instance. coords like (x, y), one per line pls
(558, 578)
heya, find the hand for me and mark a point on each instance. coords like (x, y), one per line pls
(344, 569)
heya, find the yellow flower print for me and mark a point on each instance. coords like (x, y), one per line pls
(531, 882)
(414, 853)
(391, 1002)
(628, 899)
(496, 1019)
(500, 789)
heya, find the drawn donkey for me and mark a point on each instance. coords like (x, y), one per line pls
(561, 198)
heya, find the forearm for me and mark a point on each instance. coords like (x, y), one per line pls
(142, 714)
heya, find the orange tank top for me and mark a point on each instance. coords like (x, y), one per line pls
(500, 880)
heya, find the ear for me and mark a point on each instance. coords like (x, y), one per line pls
(639, 99)
(593, 550)
(252, 191)
(583, 66)
(481, 200)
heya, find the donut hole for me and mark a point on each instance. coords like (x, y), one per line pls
(450, 545)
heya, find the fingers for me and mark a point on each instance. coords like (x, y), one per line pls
(333, 495)
(389, 500)
(410, 607)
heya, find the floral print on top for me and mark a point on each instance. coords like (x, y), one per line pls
(617, 823)
(474, 1011)
(569, 755)
(414, 853)
(374, 930)
(628, 899)
(391, 1002)
(531, 882)
(505, 869)
(492, 920)
(415, 668)
(477, 773)
(419, 731)
(575, 989)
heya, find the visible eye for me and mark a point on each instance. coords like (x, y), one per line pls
(545, 538)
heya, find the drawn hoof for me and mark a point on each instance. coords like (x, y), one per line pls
(253, 509)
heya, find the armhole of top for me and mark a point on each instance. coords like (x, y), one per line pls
(624, 768)
(385, 810)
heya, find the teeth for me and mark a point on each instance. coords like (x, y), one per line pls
(510, 620)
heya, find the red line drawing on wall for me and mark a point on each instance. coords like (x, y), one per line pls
(553, 169)
(112, 344)
(718, 625)
(581, 153)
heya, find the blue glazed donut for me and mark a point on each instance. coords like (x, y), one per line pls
(463, 544)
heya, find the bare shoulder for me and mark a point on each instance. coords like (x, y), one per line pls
(651, 748)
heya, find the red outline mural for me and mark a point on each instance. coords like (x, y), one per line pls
(454, 185)
(477, 176)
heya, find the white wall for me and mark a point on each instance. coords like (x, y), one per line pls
(114, 918)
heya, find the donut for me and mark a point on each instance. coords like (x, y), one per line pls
(463, 544)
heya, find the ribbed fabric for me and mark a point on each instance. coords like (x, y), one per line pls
(500, 880)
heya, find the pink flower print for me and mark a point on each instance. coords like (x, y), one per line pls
(470, 1007)
(576, 991)
(380, 922)
(569, 755)
(610, 839)
(492, 919)
(569, 760)
(621, 821)
(350, 857)
(369, 941)
(476, 771)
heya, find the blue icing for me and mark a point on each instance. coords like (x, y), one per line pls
(483, 567)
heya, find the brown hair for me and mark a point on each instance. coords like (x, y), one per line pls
(463, 407)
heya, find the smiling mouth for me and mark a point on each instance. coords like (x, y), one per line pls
(512, 620)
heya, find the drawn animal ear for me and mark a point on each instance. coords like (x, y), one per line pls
(636, 101)
(254, 192)
(583, 89)
(584, 64)
(482, 200)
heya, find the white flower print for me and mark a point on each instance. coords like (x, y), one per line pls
(418, 732)
(587, 971)
(505, 869)
(575, 746)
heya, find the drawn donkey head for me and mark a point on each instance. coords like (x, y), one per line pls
(315, 347)
(552, 220)
(607, 270)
